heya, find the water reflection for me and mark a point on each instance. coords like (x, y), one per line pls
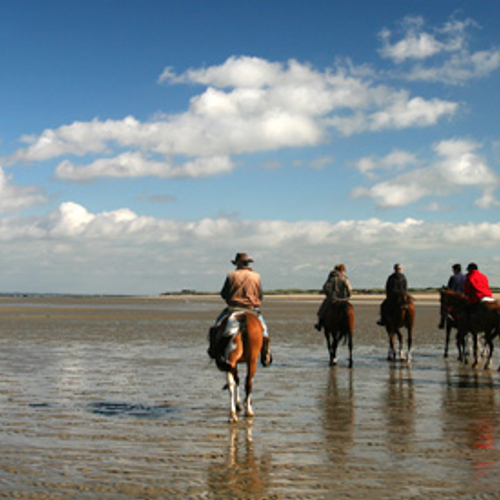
(337, 407)
(470, 424)
(399, 407)
(242, 473)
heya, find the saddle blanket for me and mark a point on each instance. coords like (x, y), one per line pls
(488, 299)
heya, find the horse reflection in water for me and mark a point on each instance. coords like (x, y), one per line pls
(470, 423)
(338, 325)
(244, 347)
(399, 406)
(399, 312)
(242, 474)
(337, 410)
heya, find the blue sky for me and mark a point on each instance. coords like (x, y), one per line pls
(144, 143)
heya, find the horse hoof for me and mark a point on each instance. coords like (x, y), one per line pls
(250, 413)
(239, 407)
(233, 418)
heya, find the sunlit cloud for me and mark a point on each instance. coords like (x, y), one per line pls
(456, 166)
(440, 54)
(247, 105)
(195, 254)
(14, 197)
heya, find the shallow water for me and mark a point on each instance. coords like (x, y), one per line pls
(117, 399)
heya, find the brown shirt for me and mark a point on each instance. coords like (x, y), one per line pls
(242, 288)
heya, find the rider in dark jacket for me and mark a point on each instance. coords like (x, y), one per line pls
(395, 285)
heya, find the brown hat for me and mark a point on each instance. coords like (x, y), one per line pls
(241, 257)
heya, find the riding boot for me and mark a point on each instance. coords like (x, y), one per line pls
(266, 358)
(381, 322)
(318, 325)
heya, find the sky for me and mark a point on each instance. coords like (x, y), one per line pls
(144, 142)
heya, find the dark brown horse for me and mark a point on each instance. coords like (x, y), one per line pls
(338, 325)
(449, 315)
(481, 318)
(399, 312)
(245, 345)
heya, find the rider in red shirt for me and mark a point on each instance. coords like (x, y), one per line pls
(476, 285)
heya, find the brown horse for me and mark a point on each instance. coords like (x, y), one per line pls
(338, 325)
(399, 312)
(245, 346)
(449, 315)
(483, 318)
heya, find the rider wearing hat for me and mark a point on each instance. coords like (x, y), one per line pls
(242, 289)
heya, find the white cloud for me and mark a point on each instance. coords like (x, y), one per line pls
(122, 252)
(397, 159)
(438, 54)
(248, 105)
(13, 198)
(456, 167)
(420, 44)
(136, 165)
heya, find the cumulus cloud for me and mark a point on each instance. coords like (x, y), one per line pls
(134, 164)
(120, 251)
(248, 105)
(397, 159)
(13, 197)
(455, 167)
(438, 54)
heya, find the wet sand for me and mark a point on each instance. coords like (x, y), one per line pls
(116, 399)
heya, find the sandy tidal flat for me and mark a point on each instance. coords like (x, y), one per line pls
(117, 399)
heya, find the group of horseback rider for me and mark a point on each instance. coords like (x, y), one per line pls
(474, 285)
(242, 290)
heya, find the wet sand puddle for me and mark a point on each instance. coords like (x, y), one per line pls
(121, 402)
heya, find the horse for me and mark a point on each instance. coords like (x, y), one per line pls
(338, 325)
(484, 318)
(245, 346)
(399, 312)
(448, 320)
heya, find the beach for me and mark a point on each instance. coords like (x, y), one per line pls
(116, 398)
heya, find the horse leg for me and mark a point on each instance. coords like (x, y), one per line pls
(391, 355)
(251, 369)
(329, 345)
(349, 344)
(489, 343)
(234, 402)
(447, 341)
(333, 355)
(410, 345)
(460, 339)
(475, 342)
(400, 343)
